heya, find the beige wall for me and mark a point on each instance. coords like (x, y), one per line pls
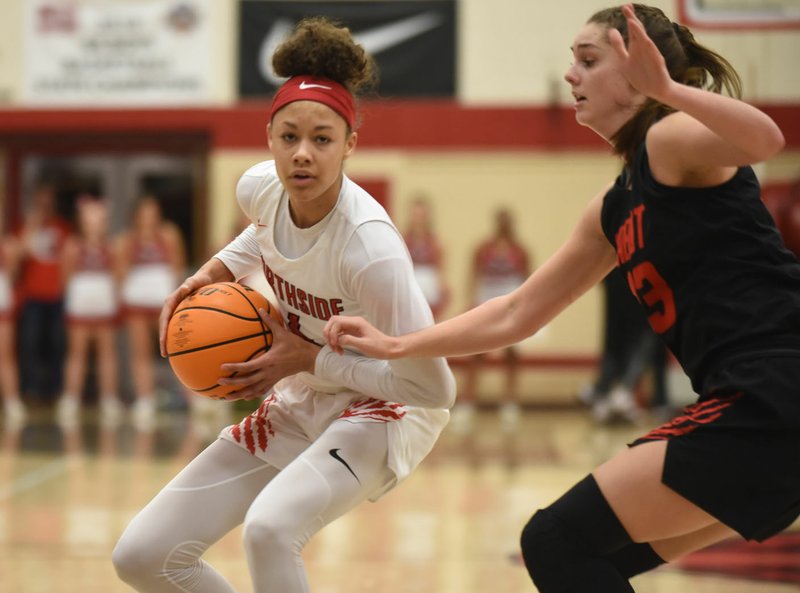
(510, 51)
(523, 59)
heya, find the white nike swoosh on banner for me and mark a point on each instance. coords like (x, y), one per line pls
(279, 31)
(387, 36)
(374, 40)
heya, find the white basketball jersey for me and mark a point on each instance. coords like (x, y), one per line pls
(310, 288)
(323, 281)
(329, 279)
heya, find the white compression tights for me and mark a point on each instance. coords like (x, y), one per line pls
(225, 486)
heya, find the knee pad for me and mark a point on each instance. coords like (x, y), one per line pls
(547, 553)
(565, 546)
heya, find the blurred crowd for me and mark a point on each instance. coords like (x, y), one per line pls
(79, 307)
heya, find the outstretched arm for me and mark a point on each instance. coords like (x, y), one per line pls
(578, 265)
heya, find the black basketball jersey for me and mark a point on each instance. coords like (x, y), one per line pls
(708, 265)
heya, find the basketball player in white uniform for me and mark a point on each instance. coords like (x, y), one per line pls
(333, 430)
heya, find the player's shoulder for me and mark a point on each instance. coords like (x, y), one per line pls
(358, 207)
(258, 184)
(368, 230)
(262, 169)
(258, 178)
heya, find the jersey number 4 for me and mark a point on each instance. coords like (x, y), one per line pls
(655, 294)
(294, 327)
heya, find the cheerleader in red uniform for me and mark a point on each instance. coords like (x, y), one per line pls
(500, 265)
(426, 255)
(91, 306)
(153, 257)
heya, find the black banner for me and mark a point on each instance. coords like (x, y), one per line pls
(412, 41)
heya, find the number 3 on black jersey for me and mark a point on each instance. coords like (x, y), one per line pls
(655, 295)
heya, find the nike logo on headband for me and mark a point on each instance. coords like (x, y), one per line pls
(310, 85)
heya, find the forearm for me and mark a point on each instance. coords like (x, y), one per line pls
(213, 271)
(426, 383)
(488, 326)
(735, 122)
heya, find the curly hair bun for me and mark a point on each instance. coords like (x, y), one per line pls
(321, 48)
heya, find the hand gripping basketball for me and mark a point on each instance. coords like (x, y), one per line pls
(216, 324)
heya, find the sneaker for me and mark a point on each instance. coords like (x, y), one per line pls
(144, 413)
(67, 410)
(14, 412)
(623, 404)
(602, 411)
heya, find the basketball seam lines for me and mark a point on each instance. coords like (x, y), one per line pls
(218, 310)
(235, 287)
(215, 344)
(215, 385)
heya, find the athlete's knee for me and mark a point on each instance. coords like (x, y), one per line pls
(133, 557)
(269, 536)
(546, 550)
(139, 561)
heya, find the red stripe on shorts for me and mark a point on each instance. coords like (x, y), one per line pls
(694, 416)
(374, 409)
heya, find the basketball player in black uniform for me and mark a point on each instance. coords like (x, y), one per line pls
(685, 223)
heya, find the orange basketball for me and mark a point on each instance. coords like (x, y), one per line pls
(214, 325)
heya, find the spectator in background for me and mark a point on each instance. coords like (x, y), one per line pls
(152, 259)
(630, 347)
(41, 293)
(426, 255)
(14, 411)
(91, 305)
(500, 265)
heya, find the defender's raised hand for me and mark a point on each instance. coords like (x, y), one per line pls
(641, 63)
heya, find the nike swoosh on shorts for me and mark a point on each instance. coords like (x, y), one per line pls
(335, 454)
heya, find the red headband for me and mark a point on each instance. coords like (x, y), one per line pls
(322, 90)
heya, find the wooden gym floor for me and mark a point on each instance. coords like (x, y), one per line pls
(452, 527)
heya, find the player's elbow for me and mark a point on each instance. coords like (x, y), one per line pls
(769, 144)
(777, 142)
(437, 390)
